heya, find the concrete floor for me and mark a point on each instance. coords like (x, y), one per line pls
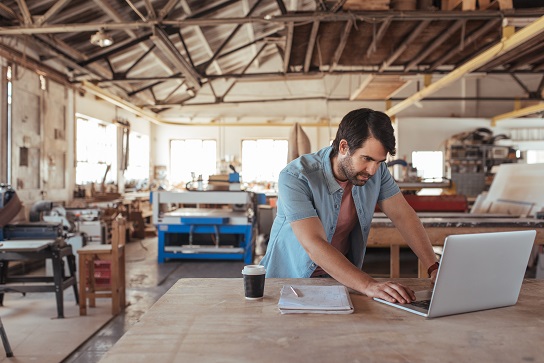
(147, 281)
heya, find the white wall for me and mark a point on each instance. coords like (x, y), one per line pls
(430, 134)
(414, 133)
(229, 138)
(90, 106)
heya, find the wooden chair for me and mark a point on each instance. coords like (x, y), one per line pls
(115, 254)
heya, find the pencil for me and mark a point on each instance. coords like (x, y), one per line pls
(294, 291)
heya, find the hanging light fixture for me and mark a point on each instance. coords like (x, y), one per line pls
(101, 39)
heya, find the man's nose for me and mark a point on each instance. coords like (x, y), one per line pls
(372, 168)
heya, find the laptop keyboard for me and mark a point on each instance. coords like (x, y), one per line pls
(424, 304)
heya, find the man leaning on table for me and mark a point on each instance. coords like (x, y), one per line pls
(326, 201)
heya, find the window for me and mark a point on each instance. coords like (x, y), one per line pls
(429, 164)
(535, 156)
(96, 145)
(43, 82)
(192, 156)
(138, 157)
(263, 159)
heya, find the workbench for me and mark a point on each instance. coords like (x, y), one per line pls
(17, 250)
(384, 234)
(208, 320)
(224, 233)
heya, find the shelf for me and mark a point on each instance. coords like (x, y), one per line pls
(470, 166)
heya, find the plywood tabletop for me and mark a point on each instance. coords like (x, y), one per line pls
(208, 320)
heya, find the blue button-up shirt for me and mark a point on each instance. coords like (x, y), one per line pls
(307, 188)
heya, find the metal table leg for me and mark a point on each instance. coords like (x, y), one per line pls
(5, 340)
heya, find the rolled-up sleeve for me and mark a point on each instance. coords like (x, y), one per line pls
(296, 191)
(388, 186)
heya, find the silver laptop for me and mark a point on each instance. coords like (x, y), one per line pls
(477, 272)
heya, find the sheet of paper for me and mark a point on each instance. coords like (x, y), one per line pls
(315, 299)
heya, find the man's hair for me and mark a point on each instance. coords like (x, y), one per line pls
(359, 125)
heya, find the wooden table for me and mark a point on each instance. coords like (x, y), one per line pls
(208, 320)
(384, 234)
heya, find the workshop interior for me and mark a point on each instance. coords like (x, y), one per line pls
(141, 141)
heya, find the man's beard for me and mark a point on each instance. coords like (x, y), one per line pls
(346, 165)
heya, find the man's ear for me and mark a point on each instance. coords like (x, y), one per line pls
(343, 147)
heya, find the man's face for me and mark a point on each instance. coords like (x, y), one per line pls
(358, 167)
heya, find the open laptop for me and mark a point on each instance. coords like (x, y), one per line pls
(477, 272)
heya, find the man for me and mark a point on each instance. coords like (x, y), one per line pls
(326, 201)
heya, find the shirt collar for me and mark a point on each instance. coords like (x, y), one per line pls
(332, 184)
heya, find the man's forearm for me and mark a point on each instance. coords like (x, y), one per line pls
(339, 267)
(408, 224)
(312, 237)
(416, 237)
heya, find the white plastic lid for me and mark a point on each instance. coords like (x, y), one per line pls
(254, 270)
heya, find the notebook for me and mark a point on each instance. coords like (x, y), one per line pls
(315, 299)
(477, 272)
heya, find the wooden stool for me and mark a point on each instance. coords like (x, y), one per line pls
(115, 254)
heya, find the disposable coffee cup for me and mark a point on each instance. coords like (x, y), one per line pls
(254, 281)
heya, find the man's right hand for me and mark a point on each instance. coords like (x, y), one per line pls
(390, 291)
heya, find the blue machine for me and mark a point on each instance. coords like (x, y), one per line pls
(224, 233)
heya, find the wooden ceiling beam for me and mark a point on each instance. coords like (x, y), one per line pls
(244, 70)
(465, 43)
(171, 93)
(505, 45)
(529, 59)
(428, 49)
(281, 6)
(377, 38)
(72, 12)
(151, 14)
(12, 55)
(118, 17)
(199, 34)
(311, 45)
(9, 13)
(340, 48)
(518, 113)
(282, 19)
(250, 30)
(112, 50)
(229, 38)
(169, 50)
(524, 49)
(52, 11)
(137, 61)
(27, 17)
(166, 9)
(121, 103)
(404, 44)
(288, 46)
